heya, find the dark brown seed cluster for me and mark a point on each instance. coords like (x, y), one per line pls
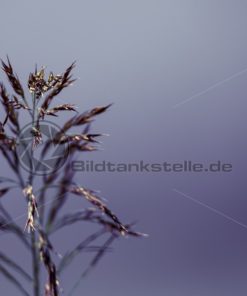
(37, 136)
(32, 208)
(45, 248)
(38, 85)
(96, 201)
(13, 78)
(65, 80)
(10, 106)
(54, 110)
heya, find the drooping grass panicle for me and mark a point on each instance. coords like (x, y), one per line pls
(13, 78)
(44, 208)
(96, 201)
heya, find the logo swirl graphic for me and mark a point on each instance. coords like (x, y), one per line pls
(31, 158)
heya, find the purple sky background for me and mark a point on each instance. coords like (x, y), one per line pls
(176, 72)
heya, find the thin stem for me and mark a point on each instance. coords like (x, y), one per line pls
(35, 258)
(33, 122)
(34, 246)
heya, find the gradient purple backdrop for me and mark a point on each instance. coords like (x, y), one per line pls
(147, 57)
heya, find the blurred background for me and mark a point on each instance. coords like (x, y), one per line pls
(176, 72)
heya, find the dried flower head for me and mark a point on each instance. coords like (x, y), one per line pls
(38, 85)
(32, 208)
(13, 78)
(37, 136)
